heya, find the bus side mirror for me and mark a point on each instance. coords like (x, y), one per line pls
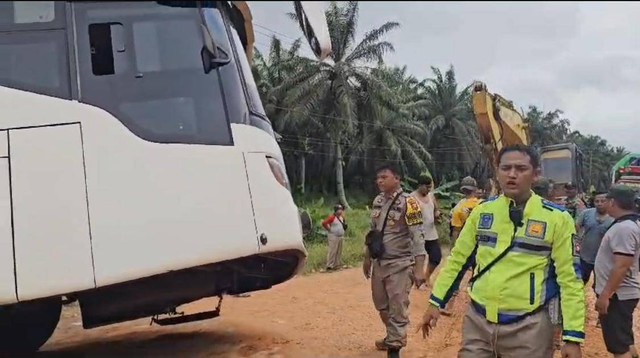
(210, 63)
(313, 24)
(212, 55)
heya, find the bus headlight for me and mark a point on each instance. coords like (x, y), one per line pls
(278, 172)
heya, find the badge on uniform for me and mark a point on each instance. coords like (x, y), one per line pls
(375, 213)
(485, 222)
(536, 229)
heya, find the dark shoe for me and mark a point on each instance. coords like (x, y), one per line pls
(380, 345)
(393, 353)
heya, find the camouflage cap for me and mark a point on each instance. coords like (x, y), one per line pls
(468, 183)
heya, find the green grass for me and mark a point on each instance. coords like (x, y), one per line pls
(358, 221)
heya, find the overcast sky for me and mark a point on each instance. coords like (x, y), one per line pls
(582, 58)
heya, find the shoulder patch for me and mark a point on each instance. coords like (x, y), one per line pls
(551, 205)
(413, 215)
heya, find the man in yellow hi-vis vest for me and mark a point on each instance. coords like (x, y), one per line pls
(526, 255)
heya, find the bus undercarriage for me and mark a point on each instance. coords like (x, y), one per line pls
(25, 326)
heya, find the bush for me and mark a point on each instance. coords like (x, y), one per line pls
(358, 220)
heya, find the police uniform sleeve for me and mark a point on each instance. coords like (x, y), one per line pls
(373, 216)
(413, 219)
(565, 256)
(457, 258)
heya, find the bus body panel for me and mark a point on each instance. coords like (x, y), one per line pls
(250, 139)
(276, 214)
(273, 207)
(7, 277)
(152, 205)
(50, 217)
(162, 207)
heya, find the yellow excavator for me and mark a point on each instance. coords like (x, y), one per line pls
(500, 125)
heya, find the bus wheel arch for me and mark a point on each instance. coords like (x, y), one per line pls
(26, 326)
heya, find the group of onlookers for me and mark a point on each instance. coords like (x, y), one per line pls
(530, 259)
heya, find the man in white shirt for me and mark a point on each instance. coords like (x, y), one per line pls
(616, 273)
(430, 214)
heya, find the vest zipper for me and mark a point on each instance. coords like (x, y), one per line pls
(532, 287)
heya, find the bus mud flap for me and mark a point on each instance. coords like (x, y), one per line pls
(179, 318)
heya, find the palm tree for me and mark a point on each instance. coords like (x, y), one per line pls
(389, 129)
(333, 87)
(453, 134)
(546, 128)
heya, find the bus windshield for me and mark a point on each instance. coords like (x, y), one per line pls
(142, 61)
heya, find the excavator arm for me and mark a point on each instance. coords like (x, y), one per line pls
(499, 124)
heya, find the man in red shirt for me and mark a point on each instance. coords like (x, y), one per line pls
(335, 226)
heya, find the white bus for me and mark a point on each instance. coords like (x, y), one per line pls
(138, 170)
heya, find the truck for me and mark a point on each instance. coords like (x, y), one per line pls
(563, 164)
(500, 124)
(138, 169)
(627, 170)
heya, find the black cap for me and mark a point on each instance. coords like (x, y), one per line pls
(542, 185)
(621, 192)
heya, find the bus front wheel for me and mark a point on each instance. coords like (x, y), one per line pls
(26, 326)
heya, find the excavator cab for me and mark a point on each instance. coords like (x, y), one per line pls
(562, 163)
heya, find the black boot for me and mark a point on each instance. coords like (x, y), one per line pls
(393, 353)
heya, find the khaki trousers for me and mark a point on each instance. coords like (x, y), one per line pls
(531, 337)
(334, 254)
(390, 288)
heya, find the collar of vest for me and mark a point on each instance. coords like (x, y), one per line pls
(533, 203)
(398, 191)
(632, 217)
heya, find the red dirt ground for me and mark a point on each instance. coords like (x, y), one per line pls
(321, 315)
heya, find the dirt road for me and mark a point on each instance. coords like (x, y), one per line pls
(321, 315)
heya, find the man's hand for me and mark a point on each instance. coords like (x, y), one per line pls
(419, 279)
(602, 305)
(366, 267)
(429, 320)
(571, 350)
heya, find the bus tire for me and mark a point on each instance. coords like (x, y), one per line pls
(26, 326)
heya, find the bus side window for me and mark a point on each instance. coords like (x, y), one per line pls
(107, 42)
(237, 27)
